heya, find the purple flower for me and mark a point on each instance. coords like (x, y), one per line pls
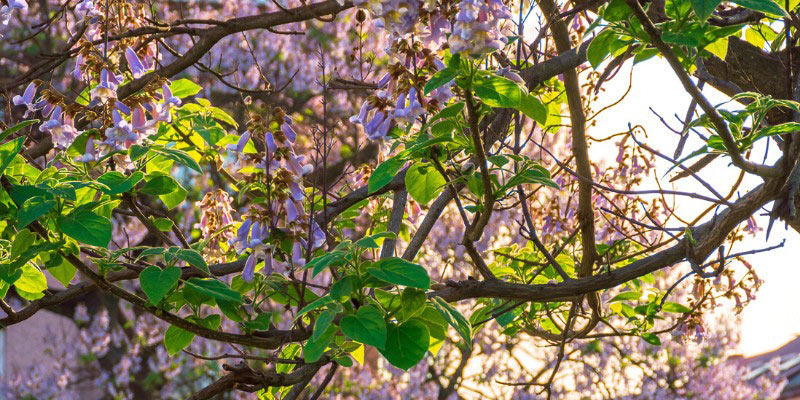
(296, 191)
(297, 255)
(271, 146)
(107, 88)
(5, 11)
(362, 114)
(287, 130)
(120, 136)
(27, 99)
(77, 72)
(291, 210)
(90, 155)
(169, 99)
(63, 134)
(250, 268)
(134, 63)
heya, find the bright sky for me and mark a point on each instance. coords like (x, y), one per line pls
(771, 320)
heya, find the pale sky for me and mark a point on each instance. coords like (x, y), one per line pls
(772, 319)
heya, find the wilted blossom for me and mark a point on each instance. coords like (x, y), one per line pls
(215, 223)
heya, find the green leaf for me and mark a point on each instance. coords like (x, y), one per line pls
(406, 344)
(366, 326)
(314, 348)
(599, 47)
(320, 302)
(8, 151)
(16, 128)
(626, 296)
(118, 183)
(158, 185)
(171, 200)
(193, 258)
(675, 308)
(767, 6)
(177, 339)
(704, 8)
(532, 107)
(32, 279)
(63, 270)
(136, 152)
(651, 338)
(440, 78)
(156, 283)
(497, 91)
(184, 88)
(401, 272)
(449, 112)
(424, 182)
(163, 224)
(181, 157)
(215, 289)
(259, 323)
(616, 11)
(384, 173)
(86, 227)
(324, 320)
(455, 319)
(32, 209)
(342, 289)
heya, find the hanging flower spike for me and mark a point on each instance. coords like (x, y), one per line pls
(107, 88)
(27, 99)
(134, 63)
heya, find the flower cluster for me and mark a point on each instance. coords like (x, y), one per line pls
(477, 27)
(282, 171)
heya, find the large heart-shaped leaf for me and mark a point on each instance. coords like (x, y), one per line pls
(85, 226)
(366, 326)
(406, 343)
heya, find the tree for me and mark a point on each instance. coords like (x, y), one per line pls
(188, 173)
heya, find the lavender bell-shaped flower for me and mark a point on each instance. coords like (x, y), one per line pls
(290, 134)
(107, 88)
(134, 63)
(249, 271)
(63, 134)
(297, 254)
(5, 11)
(90, 155)
(27, 99)
(240, 242)
(361, 118)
